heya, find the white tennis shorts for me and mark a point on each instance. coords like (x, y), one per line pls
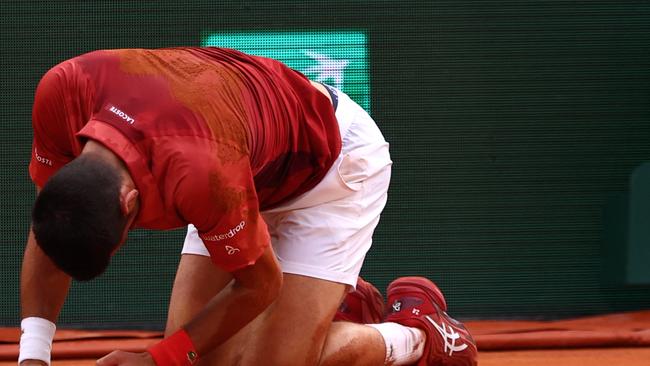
(326, 232)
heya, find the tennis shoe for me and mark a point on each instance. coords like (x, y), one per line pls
(418, 302)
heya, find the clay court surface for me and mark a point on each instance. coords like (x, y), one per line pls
(609, 340)
(574, 357)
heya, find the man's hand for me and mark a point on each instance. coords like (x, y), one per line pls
(121, 358)
(33, 363)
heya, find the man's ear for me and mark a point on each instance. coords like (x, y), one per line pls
(128, 200)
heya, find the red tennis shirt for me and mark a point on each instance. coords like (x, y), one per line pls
(210, 136)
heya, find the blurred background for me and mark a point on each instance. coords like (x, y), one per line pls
(519, 132)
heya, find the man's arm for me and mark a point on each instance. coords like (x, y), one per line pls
(43, 287)
(253, 290)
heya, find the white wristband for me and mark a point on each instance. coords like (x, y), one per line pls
(36, 339)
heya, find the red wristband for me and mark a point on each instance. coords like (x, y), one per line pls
(175, 350)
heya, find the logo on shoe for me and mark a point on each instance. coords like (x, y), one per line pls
(397, 306)
(449, 336)
(407, 302)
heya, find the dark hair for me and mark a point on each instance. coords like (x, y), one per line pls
(77, 219)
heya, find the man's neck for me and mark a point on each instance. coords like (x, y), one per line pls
(97, 149)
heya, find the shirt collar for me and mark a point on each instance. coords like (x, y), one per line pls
(151, 206)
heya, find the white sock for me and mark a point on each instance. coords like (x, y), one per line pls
(404, 345)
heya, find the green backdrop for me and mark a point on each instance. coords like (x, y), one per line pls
(511, 123)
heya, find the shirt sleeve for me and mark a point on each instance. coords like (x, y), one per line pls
(51, 146)
(218, 197)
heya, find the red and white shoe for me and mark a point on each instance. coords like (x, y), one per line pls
(419, 303)
(365, 305)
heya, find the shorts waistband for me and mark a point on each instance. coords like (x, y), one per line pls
(333, 94)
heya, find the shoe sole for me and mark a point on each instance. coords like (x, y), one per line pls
(429, 289)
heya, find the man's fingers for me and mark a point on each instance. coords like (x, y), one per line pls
(33, 363)
(112, 359)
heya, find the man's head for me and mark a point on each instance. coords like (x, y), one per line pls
(81, 216)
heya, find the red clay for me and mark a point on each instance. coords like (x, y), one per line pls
(568, 357)
(622, 339)
(573, 357)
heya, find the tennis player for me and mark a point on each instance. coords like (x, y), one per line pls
(280, 180)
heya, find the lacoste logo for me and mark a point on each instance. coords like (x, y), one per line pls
(449, 335)
(231, 233)
(42, 159)
(122, 115)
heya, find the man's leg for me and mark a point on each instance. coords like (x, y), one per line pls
(292, 331)
(353, 344)
(297, 328)
(363, 312)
